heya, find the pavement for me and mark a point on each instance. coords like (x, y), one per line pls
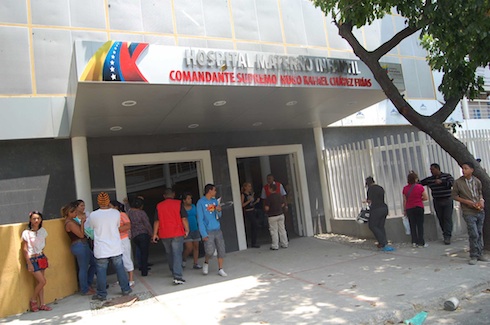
(317, 280)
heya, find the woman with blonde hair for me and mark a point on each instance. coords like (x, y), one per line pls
(249, 212)
(80, 248)
(413, 196)
(33, 243)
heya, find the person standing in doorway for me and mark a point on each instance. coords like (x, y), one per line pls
(274, 205)
(250, 213)
(171, 226)
(266, 190)
(378, 213)
(414, 196)
(467, 190)
(440, 185)
(141, 233)
(208, 215)
(107, 246)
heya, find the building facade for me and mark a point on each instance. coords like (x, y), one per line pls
(130, 96)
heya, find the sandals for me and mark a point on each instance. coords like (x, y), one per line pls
(33, 304)
(45, 308)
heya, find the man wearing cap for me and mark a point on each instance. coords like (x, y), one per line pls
(107, 246)
(171, 226)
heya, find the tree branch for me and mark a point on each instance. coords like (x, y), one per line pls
(394, 41)
(443, 113)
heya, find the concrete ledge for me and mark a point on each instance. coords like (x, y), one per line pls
(395, 230)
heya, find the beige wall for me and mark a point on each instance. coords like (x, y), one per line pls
(17, 284)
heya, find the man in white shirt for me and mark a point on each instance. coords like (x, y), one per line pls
(107, 246)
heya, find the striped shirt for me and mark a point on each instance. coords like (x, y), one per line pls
(439, 191)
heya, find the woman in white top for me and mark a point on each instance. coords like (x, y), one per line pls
(33, 242)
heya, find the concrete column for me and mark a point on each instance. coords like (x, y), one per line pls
(166, 174)
(265, 168)
(82, 171)
(320, 146)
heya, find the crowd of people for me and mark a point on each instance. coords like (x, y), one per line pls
(117, 231)
(467, 190)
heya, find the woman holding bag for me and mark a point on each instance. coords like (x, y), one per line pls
(413, 196)
(33, 242)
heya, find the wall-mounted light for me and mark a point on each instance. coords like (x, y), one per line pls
(257, 124)
(193, 126)
(115, 128)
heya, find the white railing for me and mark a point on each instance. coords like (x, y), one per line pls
(388, 160)
(479, 109)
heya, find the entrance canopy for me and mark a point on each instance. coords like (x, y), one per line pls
(123, 89)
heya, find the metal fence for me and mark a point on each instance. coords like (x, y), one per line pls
(389, 160)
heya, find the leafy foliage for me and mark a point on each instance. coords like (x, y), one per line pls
(455, 33)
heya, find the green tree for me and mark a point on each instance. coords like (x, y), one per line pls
(456, 35)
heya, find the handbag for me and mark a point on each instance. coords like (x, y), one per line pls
(406, 222)
(406, 225)
(363, 216)
(42, 262)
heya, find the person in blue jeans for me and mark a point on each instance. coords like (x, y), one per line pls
(467, 190)
(107, 246)
(80, 248)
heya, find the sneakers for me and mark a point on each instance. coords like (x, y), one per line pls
(414, 245)
(197, 267)
(274, 249)
(447, 241)
(179, 281)
(205, 268)
(483, 259)
(425, 245)
(473, 261)
(99, 298)
(184, 263)
(387, 249)
(126, 293)
(222, 272)
(131, 283)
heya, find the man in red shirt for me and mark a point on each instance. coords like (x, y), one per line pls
(267, 191)
(171, 226)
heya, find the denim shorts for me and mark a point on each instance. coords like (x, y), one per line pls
(35, 264)
(193, 236)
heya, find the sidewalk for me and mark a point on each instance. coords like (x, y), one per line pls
(314, 281)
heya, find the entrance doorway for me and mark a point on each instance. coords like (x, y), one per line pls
(287, 166)
(147, 174)
(251, 170)
(201, 159)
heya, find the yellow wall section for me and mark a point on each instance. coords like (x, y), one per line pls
(17, 284)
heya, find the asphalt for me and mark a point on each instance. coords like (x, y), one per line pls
(333, 280)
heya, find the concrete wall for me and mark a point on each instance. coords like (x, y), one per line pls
(17, 284)
(35, 175)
